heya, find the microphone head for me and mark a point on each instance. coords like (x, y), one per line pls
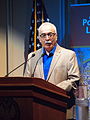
(51, 54)
(42, 54)
(33, 54)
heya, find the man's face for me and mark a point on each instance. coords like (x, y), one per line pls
(48, 37)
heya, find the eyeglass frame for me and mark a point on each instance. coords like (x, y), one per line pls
(50, 34)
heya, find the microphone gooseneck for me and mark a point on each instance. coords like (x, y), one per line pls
(36, 64)
(20, 65)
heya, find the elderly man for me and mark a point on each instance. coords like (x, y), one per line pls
(56, 64)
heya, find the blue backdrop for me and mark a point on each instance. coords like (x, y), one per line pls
(80, 40)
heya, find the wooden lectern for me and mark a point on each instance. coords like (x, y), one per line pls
(24, 98)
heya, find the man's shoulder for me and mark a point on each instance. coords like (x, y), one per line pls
(35, 52)
(39, 51)
(66, 50)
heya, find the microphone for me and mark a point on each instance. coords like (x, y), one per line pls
(36, 64)
(20, 65)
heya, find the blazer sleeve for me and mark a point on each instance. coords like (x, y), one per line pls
(73, 74)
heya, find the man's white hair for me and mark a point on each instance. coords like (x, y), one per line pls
(47, 24)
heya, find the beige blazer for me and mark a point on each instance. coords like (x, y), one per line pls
(63, 71)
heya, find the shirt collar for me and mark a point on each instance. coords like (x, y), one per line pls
(51, 52)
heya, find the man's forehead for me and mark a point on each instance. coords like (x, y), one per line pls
(47, 29)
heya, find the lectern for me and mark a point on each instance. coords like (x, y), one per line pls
(24, 98)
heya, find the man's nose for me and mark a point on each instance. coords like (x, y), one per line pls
(47, 37)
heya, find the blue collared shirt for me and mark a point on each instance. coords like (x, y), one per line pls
(47, 59)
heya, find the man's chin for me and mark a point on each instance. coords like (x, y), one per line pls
(48, 47)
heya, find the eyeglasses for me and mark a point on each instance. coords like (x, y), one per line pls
(50, 34)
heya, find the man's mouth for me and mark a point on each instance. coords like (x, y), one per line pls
(48, 42)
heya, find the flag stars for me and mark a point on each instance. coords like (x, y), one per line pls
(32, 21)
(38, 12)
(38, 20)
(41, 16)
(32, 44)
(38, 4)
(48, 20)
(32, 33)
(38, 45)
(30, 27)
(32, 9)
(32, 39)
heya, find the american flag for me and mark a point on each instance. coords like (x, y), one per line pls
(39, 16)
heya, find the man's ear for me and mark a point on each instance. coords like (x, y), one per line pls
(37, 37)
(56, 37)
(39, 40)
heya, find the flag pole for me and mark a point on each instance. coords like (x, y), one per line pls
(42, 13)
(35, 26)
